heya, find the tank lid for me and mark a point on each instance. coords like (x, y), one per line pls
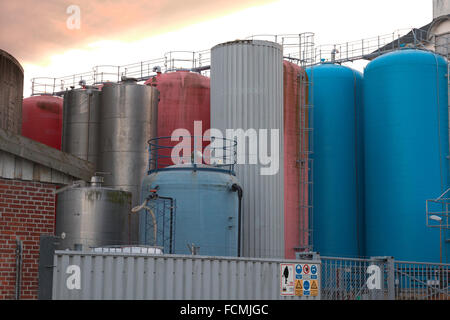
(128, 80)
(250, 42)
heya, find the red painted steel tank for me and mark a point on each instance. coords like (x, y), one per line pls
(295, 174)
(42, 119)
(184, 98)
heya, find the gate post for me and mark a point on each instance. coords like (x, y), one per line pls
(390, 264)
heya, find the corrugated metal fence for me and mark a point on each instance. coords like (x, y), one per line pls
(93, 275)
(89, 275)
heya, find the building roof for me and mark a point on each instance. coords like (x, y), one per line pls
(417, 36)
(26, 159)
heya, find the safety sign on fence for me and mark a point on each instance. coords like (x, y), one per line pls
(299, 279)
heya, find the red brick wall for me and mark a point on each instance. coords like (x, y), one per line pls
(27, 210)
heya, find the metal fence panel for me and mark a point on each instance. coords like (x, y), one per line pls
(174, 277)
(421, 281)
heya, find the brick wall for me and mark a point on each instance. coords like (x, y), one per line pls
(27, 210)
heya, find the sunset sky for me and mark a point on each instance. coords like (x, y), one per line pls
(121, 32)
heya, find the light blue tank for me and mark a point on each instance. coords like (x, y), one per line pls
(338, 181)
(406, 144)
(207, 208)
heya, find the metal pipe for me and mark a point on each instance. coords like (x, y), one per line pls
(235, 187)
(19, 251)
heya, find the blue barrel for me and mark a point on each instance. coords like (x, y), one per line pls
(207, 209)
(338, 180)
(406, 145)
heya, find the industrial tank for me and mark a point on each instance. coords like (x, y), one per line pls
(42, 119)
(338, 182)
(184, 97)
(11, 93)
(80, 133)
(406, 145)
(296, 175)
(207, 209)
(128, 115)
(94, 216)
(247, 94)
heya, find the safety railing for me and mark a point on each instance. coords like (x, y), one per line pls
(370, 48)
(299, 48)
(203, 152)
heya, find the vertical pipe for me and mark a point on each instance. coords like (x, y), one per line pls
(19, 250)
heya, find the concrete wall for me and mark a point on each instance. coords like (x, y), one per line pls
(440, 8)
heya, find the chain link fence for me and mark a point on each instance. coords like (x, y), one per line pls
(383, 278)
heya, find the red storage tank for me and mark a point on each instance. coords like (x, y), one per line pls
(42, 119)
(184, 98)
(295, 173)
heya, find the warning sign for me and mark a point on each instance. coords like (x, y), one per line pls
(287, 279)
(314, 285)
(299, 279)
(306, 269)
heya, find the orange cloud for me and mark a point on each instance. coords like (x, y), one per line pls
(32, 30)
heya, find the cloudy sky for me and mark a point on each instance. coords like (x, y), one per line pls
(116, 32)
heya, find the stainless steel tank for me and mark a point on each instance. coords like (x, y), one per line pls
(247, 93)
(94, 216)
(11, 93)
(128, 118)
(80, 133)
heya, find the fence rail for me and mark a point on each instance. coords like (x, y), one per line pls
(299, 48)
(356, 279)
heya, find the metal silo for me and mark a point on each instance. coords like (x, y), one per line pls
(247, 94)
(94, 216)
(11, 93)
(81, 124)
(338, 160)
(42, 119)
(184, 97)
(406, 149)
(128, 115)
(296, 166)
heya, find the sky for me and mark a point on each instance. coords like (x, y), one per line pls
(43, 36)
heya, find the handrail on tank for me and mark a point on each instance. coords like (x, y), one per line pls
(219, 154)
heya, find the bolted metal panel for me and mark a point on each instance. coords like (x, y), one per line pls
(94, 217)
(11, 93)
(247, 93)
(80, 134)
(168, 277)
(128, 115)
(47, 247)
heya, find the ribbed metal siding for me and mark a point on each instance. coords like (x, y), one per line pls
(11, 93)
(247, 92)
(171, 277)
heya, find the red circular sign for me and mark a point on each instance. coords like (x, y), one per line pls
(305, 269)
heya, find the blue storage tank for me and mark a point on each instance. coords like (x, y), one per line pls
(207, 208)
(406, 144)
(338, 181)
